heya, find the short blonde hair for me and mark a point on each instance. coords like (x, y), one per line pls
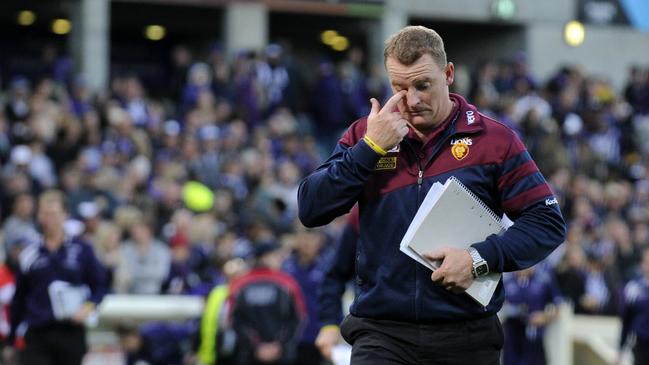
(412, 42)
(52, 196)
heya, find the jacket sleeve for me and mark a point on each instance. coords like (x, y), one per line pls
(334, 187)
(340, 270)
(527, 199)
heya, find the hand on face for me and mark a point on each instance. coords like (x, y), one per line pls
(454, 273)
(385, 126)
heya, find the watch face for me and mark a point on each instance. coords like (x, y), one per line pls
(482, 270)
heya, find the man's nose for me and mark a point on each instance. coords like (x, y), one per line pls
(412, 98)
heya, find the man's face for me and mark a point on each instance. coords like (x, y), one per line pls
(51, 216)
(273, 260)
(427, 87)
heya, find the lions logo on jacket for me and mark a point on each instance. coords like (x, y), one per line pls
(460, 148)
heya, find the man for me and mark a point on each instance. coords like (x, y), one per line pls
(216, 337)
(156, 343)
(19, 226)
(58, 285)
(530, 305)
(267, 309)
(387, 162)
(307, 266)
(144, 262)
(635, 314)
(339, 272)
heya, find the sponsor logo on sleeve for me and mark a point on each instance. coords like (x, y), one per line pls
(551, 201)
(470, 117)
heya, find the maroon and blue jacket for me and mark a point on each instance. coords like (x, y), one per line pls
(486, 156)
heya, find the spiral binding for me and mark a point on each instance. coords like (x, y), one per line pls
(479, 202)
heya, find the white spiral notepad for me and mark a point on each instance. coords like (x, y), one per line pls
(451, 215)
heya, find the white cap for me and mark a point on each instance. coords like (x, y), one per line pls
(73, 227)
(88, 210)
(21, 155)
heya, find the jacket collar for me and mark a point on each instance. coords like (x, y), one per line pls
(469, 119)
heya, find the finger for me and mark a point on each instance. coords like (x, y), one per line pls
(376, 107)
(326, 352)
(435, 255)
(403, 130)
(437, 276)
(392, 102)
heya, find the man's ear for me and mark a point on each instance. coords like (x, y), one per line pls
(449, 73)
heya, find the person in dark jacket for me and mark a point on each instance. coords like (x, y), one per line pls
(386, 163)
(635, 314)
(339, 271)
(58, 286)
(157, 343)
(267, 310)
(530, 305)
(306, 265)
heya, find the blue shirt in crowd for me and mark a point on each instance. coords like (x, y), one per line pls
(309, 278)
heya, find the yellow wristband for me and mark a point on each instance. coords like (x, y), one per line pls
(330, 326)
(374, 146)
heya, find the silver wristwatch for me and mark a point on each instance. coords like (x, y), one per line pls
(480, 266)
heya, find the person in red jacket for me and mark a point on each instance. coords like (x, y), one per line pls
(267, 310)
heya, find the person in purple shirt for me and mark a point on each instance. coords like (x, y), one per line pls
(157, 343)
(307, 266)
(635, 314)
(57, 267)
(530, 304)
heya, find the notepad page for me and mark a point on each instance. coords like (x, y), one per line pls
(456, 218)
(425, 207)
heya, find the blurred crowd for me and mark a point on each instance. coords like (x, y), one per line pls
(168, 190)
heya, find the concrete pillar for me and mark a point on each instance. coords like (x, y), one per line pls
(246, 26)
(395, 17)
(90, 41)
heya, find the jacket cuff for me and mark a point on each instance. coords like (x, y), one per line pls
(365, 155)
(487, 249)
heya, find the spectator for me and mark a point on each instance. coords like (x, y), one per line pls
(7, 290)
(530, 305)
(635, 313)
(106, 242)
(267, 310)
(601, 288)
(53, 305)
(307, 266)
(156, 343)
(340, 270)
(19, 226)
(273, 78)
(217, 339)
(144, 262)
